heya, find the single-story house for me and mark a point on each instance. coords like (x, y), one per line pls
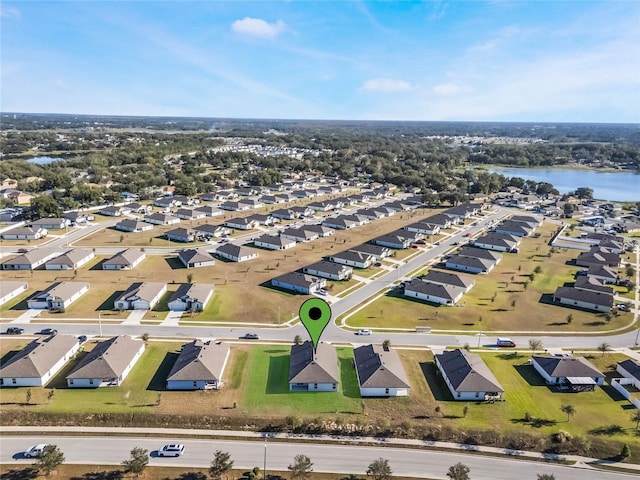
(131, 225)
(423, 228)
(71, 260)
(199, 366)
(76, 217)
(433, 292)
(581, 298)
(630, 369)
(24, 233)
(324, 206)
(260, 219)
(195, 258)
(180, 234)
(313, 371)
(271, 199)
(51, 223)
(236, 253)
(108, 364)
(114, 211)
(247, 191)
(352, 259)
(393, 241)
(603, 273)
(241, 223)
(165, 202)
(380, 372)
(189, 214)
(273, 242)
(467, 376)
(139, 208)
(30, 260)
(341, 222)
(470, 264)
(299, 235)
(208, 211)
(330, 270)
(371, 213)
(399, 206)
(125, 260)
(191, 297)
(10, 290)
(575, 372)
(302, 211)
(58, 295)
(318, 229)
(299, 282)
(439, 219)
(447, 278)
(207, 230)
(469, 251)
(529, 219)
(141, 296)
(598, 255)
(235, 206)
(592, 283)
(499, 242)
(37, 363)
(161, 219)
(378, 252)
(463, 211)
(284, 214)
(517, 229)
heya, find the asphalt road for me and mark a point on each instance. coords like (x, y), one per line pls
(325, 458)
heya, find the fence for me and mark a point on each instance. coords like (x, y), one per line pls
(618, 384)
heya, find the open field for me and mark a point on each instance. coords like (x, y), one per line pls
(234, 282)
(506, 299)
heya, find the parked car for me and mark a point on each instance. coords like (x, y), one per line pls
(364, 331)
(48, 331)
(251, 336)
(322, 292)
(172, 450)
(82, 338)
(35, 451)
(622, 307)
(15, 331)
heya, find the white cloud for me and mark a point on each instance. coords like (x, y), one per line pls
(9, 12)
(449, 89)
(386, 85)
(256, 27)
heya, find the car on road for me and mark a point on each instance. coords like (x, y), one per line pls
(364, 332)
(251, 336)
(437, 243)
(172, 450)
(48, 331)
(35, 451)
(15, 331)
(82, 338)
(505, 342)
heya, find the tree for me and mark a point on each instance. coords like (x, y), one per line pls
(50, 395)
(50, 459)
(380, 469)
(301, 467)
(604, 347)
(43, 206)
(535, 344)
(465, 410)
(584, 192)
(459, 471)
(570, 318)
(28, 396)
(569, 410)
(220, 465)
(137, 462)
(636, 418)
(386, 344)
(297, 339)
(189, 277)
(546, 476)
(625, 452)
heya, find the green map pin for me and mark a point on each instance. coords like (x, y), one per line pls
(315, 315)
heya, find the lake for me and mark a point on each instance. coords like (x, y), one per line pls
(612, 186)
(44, 160)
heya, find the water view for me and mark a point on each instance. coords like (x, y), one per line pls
(44, 160)
(613, 186)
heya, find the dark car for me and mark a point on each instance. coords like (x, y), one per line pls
(251, 336)
(48, 331)
(15, 331)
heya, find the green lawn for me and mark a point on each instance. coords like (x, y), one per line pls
(267, 388)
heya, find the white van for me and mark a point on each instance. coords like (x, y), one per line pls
(505, 342)
(35, 451)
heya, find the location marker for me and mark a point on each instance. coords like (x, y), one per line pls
(315, 315)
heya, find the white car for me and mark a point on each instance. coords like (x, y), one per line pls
(172, 450)
(35, 451)
(322, 292)
(364, 331)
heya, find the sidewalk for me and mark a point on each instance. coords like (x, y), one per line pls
(580, 461)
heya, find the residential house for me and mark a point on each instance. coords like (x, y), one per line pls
(58, 295)
(235, 206)
(469, 251)
(586, 299)
(324, 206)
(184, 235)
(260, 219)
(141, 296)
(107, 364)
(165, 202)
(131, 225)
(313, 371)
(161, 219)
(399, 206)
(51, 223)
(464, 263)
(299, 235)
(207, 230)
(517, 229)
(272, 199)
(37, 363)
(463, 211)
(529, 219)
(17, 197)
(208, 211)
(302, 211)
(320, 230)
(236, 253)
(574, 373)
(71, 260)
(380, 372)
(447, 278)
(190, 214)
(125, 260)
(30, 260)
(378, 252)
(10, 290)
(299, 282)
(591, 283)
(272, 242)
(139, 208)
(393, 241)
(114, 210)
(24, 233)
(75, 217)
(341, 222)
(371, 213)
(630, 369)
(433, 292)
(352, 259)
(598, 255)
(467, 376)
(499, 242)
(241, 223)
(423, 228)
(330, 270)
(603, 273)
(200, 366)
(191, 297)
(196, 258)
(439, 219)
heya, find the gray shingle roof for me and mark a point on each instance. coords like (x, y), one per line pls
(37, 358)
(200, 361)
(469, 251)
(195, 255)
(126, 257)
(632, 367)
(307, 367)
(379, 368)
(467, 372)
(567, 367)
(108, 359)
(446, 278)
(586, 296)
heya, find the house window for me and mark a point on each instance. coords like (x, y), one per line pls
(315, 386)
(195, 384)
(477, 394)
(459, 394)
(335, 386)
(13, 380)
(386, 391)
(91, 381)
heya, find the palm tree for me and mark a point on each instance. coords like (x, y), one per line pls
(569, 410)
(636, 418)
(604, 348)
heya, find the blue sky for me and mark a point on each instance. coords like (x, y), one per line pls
(383, 60)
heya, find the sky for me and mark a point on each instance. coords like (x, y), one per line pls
(572, 61)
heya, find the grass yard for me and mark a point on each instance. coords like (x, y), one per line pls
(506, 299)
